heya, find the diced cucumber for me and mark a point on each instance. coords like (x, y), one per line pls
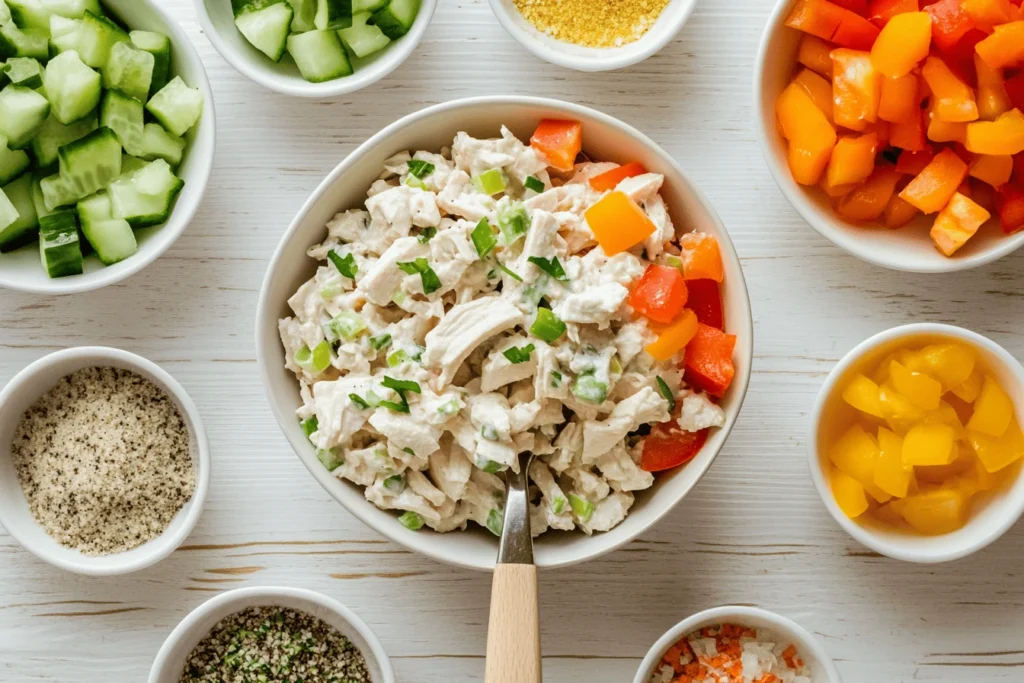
(396, 18)
(97, 38)
(157, 143)
(90, 164)
(112, 238)
(73, 9)
(5, 14)
(29, 14)
(38, 201)
(362, 39)
(72, 87)
(333, 14)
(359, 6)
(158, 45)
(305, 14)
(319, 55)
(243, 6)
(59, 249)
(130, 164)
(126, 117)
(55, 135)
(267, 29)
(145, 197)
(22, 231)
(30, 42)
(13, 162)
(22, 114)
(8, 212)
(24, 71)
(64, 33)
(57, 192)
(129, 70)
(177, 106)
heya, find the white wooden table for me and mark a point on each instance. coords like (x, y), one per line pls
(753, 532)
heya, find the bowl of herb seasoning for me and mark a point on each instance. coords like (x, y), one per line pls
(286, 635)
(104, 463)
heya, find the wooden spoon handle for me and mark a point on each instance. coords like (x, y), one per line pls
(513, 636)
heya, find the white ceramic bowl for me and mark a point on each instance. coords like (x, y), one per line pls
(909, 248)
(218, 24)
(170, 660)
(604, 138)
(823, 670)
(992, 513)
(21, 269)
(583, 58)
(34, 381)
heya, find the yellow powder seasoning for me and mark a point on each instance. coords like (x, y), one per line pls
(593, 23)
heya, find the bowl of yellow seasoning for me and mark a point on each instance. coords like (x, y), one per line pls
(593, 35)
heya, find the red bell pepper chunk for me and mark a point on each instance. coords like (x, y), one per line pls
(912, 163)
(709, 360)
(706, 301)
(1015, 90)
(881, 11)
(660, 293)
(858, 6)
(558, 141)
(669, 446)
(609, 180)
(1018, 168)
(855, 32)
(949, 23)
(1010, 205)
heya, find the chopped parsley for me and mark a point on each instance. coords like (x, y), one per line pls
(400, 386)
(381, 341)
(359, 401)
(667, 393)
(534, 183)
(483, 238)
(419, 168)
(556, 379)
(512, 274)
(346, 264)
(518, 354)
(550, 266)
(427, 234)
(431, 283)
(513, 221)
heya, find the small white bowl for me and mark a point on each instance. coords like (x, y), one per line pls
(992, 513)
(218, 22)
(583, 58)
(908, 248)
(21, 269)
(170, 660)
(34, 381)
(823, 670)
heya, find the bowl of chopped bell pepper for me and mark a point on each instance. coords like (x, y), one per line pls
(896, 127)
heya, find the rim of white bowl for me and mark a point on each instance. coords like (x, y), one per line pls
(166, 543)
(803, 639)
(323, 477)
(265, 76)
(592, 59)
(826, 224)
(862, 534)
(238, 599)
(181, 216)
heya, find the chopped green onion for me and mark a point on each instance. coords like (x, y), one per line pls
(331, 290)
(550, 266)
(558, 505)
(309, 426)
(411, 520)
(400, 356)
(492, 273)
(590, 389)
(489, 433)
(674, 262)
(547, 326)
(395, 406)
(330, 458)
(398, 298)
(556, 379)
(381, 341)
(483, 237)
(395, 484)
(427, 234)
(667, 393)
(534, 183)
(359, 401)
(346, 264)
(511, 273)
(518, 354)
(582, 508)
(316, 361)
(419, 168)
(452, 407)
(401, 385)
(409, 451)
(513, 221)
(348, 325)
(413, 181)
(490, 182)
(615, 365)
(495, 520)
(428, 277)
(488, 466)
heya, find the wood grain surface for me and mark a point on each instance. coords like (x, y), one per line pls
(513, 636)
(753, 532)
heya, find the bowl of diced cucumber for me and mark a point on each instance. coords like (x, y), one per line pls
(315, 48)
(106, 140)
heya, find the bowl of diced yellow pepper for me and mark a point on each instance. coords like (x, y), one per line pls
(916, 445)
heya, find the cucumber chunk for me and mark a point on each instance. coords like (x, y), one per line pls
(158, 45)
(243, 6)
(333, 14)
(72, 9)
(267, 29)
(90, 164)
(96, 39)
(112, 238)
(55, 135)
(129, 70)
(360, 6)
(72, 87)
(319, 55)
(64, 33)
(29, 14)
(177, 106)
(38, 201)
(130, 164)
(8, 212)
(30, 42)
(305, 15)
(22, 231)
(396, 18)
(57, 192)
(24, 71)
(22, 114)
(126, 117)
(5, 14)
(59, 249)
(157, 143)
(145, 197)
(362, 39)
(13, 162)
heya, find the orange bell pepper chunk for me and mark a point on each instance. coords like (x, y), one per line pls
(912, 163)
(673, 338)
(819, 90)
(558, 141)
(881, 11)
(856, 88)
(949, 23)
(868, 201)
(909, 136)
(856, 6)
(993, 99)
(609, 180)
(618, 223)
(903, 43)
(836, 191)
(954, 100)
(853, 160)
(659, 294)
(1010, 206)
(989, 13)
(1005, 47)
(701, 256)
(818, 17)
(899, 212)
(933, 187)
(993, 169)
(984, 195)
(709, 360)
(1005, 135)
(957, 223)
(901, 99)
(814, 54)
(944, 131)
(811, 136)
(855, 32)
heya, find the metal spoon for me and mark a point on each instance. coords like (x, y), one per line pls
(513, 633)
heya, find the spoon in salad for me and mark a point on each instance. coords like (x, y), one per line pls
(513, 632)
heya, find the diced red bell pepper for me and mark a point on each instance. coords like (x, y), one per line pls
(881, 11)
(858, 6)
(855, 32)
(1015, 90)
(1018, 168)
(949, 23)
(609, 180)
(659, 294)
(669, 446)
(709, 365)
(912, 163)
(705, 299)
(559, 141)
(1010, 206)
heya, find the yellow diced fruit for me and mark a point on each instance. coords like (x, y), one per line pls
(976, 480)
(849, 494)
(946, 414)
(899, 412)
(891, 475)
(929, 444)
(886, 515)
(963, 461)
(881, 373)
(878, 494)
(950, 363)
(862, 394)
(856, 454)
(919, 388)
(998, 453)
(992, 410)
(969, 390)
(935, 511)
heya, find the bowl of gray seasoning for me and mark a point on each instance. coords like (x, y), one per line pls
(104, 463)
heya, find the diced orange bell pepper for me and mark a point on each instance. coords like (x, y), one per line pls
(856, 89)
(949, 23)
(989, 13)
(899, 212)
(957, 223)
(881, 131)
(901, 99)
(558, 141)
(817, 17)
(819, 90)
(618, 223)
(932, 189)
(814, 54)
(811, 136)
(903, 43)
(1005, 135)
(853, 160)
(856, 6)
(993, 99)
(855, 32)
(701, 256)
(881, 11)
(1005, 47)
(834, 191)
(994, 170)
(609, 180)
(1010, 206)
(953, 99)
(912, 163)
(709, 360)
(944, 131)
(867, 202)
(909, 136)
(673, 338)
(659, 294)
